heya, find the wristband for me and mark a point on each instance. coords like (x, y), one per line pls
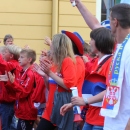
(86, 101)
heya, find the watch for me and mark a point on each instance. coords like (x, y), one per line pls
(86, 101)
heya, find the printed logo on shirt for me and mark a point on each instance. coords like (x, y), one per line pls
(111, 97)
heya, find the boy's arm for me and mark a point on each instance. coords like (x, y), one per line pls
(8, 66)
(24, 89)
(91, 20)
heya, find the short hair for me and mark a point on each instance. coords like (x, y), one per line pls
(2, 49)
(122, 13)
(15, 50)
(30, 54)
(104, 41)
(8, 36)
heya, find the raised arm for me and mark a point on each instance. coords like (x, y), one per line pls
(91, 20)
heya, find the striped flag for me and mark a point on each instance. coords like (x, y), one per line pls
(106, 23)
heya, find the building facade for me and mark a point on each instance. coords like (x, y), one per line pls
(29, 21)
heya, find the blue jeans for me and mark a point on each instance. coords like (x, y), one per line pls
(91, 127)
(6, 113)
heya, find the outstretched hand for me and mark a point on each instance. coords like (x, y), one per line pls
(65, 108)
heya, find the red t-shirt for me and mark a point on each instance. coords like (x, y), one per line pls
(68, 74)
(93, 114)
(80, 74)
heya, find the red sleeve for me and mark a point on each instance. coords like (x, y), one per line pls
(69, 72)
(88, 67)
(24, 89)
(7, 65)
(39, 92)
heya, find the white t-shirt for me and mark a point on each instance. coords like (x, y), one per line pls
(120, 122)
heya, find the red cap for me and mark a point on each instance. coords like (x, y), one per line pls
(76, 40)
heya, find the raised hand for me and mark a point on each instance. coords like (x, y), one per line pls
(11, 77)
(37, 69)
(48, 41)
(44, 52)
(45, 66)
(75, 1)
(26, 47)
(85, 59)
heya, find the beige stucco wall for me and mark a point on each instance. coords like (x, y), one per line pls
(29, 21)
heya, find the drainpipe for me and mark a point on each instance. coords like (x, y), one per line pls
(98, 9)
(55, 16)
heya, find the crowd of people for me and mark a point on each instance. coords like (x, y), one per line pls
(39, 96)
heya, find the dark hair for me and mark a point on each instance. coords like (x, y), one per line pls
(75, 49)
(104, 41)
(122, 13)
(30, 54)
(8, 36)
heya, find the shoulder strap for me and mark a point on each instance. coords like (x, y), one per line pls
(100, 65)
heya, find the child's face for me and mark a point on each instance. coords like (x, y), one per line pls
(7, 55)
(23, 59)
(9, 41)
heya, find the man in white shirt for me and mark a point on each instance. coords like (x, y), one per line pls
(120, 28)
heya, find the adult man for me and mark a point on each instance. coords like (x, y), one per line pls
(118, 113)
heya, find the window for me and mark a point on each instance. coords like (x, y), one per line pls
(106, 5)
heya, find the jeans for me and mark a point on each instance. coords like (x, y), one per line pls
(6, 113)
(91, 127)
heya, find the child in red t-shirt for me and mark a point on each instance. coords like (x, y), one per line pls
(61, 77)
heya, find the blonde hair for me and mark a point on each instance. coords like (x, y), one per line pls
(15, 50)
(2, 49)
(30, 54)
(61, 48)
(86, 47)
